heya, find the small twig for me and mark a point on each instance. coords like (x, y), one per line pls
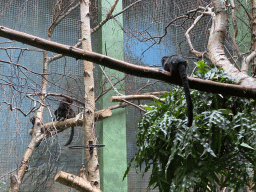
(58, 95)
(130, 103)
(17, 65)
(8, 173)
(186, 17)
(146, 86)
(23, 49)
(115, 90)
(68, 97)
(108, 89)
(165, 29)
(248, 14)
(19, 109)
(232, 58)
(126, 8)
(120, 105)
(50, 59)
(59, 17)
(29, 96)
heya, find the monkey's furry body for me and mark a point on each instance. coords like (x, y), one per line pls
(63, 112)
(177, 66)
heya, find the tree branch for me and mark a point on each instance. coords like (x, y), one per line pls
(134, 97)
(107, 17)
(190, 45)
(52, 128)
(75, 182)
(215, 46)
(137, 70)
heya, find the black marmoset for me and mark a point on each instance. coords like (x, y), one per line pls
(63, 112)
(177, 66)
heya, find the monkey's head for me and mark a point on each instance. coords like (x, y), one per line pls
(165, 59)
(171, 62)
(173, 59)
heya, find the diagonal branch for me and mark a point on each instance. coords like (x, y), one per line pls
(137, 70)
(190, 45)
(107, 17)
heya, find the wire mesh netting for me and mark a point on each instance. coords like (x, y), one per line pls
(151, 30)
(65, 77)
(145, 43)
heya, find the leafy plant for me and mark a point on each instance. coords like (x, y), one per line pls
(202, 70)
(218, 150)
(214, 73)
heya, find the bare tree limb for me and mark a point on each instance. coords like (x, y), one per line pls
(141, 71)
(137, 106)
(19, 109)
(246, 61)
(190, 45)
(107, 17)
(61, 55)
(248, 14)
(52, 128)
(115, 90)
(134, 97)
(146, 85)
(125, 9)
(108, 89)
(215, 46)
(76, 182)
(62, 95)
(155, 93)
(58, 18)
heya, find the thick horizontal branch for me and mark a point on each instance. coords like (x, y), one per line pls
(102, 114)
(75, 182)
(132, 69)
(52, 128)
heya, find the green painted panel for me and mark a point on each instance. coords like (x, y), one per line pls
(113, 158)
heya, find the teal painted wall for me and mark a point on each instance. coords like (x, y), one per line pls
(113, 158)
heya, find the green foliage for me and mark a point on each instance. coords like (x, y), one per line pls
(202, 70)
(214, 74)
(219, 148)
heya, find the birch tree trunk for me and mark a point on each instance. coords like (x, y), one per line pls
(216, 45)
(89, 126)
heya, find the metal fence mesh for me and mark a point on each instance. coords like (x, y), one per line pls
(66, 77)
(142, 24)
(143, 21)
